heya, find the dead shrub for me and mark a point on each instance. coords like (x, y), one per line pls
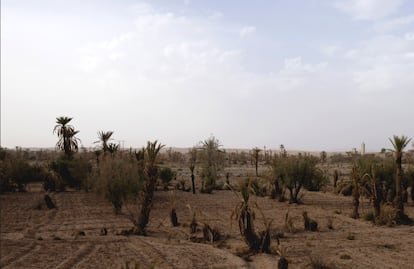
(49, 203)
(388, 215)
(329, 224)
(193, 224)
(318, 263)
(310, 224)
(283, 263)
(289, 226)
(211, 234)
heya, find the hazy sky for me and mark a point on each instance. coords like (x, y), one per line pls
(309, 74)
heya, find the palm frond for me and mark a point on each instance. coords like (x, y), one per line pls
(399, 142)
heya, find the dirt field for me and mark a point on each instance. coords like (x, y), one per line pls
(69, 236)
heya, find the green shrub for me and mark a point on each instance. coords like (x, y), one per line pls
(117, 179)
(212, 159)
(257, 188)
(16, 172)
(73, 171)
(53, 182)
(297, 172)
(166, 174)
(369, 216)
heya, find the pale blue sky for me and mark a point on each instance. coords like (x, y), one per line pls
(312, 75)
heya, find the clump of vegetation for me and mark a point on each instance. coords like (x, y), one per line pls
(345, 257)
(388, 215)
(117, 179)
(103, 232)
(309, 224)
(283, 263)
(329, 224)
(318, 263)
(382, 181)
(244, 215)
(132, 265)
(53, 182)
(212, 159)
(369, 216)
(16, 172)
(297, 172)
(71, 172)
(166, 174)
(350, 236)
(193, 224)
(211, 234)
(257, 187)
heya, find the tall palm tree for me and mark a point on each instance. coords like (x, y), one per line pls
(399, 143)
(104, 138)
(151, 173)
(67, 142)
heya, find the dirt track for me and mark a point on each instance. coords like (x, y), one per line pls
(32, 238)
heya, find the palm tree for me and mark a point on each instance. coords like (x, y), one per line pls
(399, 143)
(104, 137)
(66, 133)
(113, 148)
(151, 173)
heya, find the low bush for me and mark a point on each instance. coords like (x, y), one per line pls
(16, 172)
(166, 174)
(309, 224)
(117, 179)
(297, 172)
(73, 171)
(369, 216)
(319, 263)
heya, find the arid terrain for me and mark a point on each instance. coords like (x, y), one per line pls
(70, 236)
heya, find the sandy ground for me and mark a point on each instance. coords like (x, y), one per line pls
(33, 238)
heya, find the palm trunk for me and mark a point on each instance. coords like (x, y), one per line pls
(174, 218)
(378, 198)
(257, 167)
(398, 198)
(355, 202)
(276, 192)
(192, 182)
(146, 200)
